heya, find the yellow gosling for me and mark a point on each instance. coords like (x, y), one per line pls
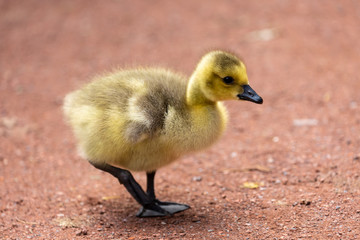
(143, 119)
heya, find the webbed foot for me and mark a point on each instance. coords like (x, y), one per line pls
(161, 209)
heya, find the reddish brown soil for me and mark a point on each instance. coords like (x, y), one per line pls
(305, 65)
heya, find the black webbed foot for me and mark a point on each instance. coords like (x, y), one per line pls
(161, 209)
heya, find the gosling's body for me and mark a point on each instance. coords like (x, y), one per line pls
(140, 120)
(145, 118)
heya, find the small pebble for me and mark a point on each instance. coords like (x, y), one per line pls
(81, 232)
(305, 122)
(353, 105)
(305, 202)
(197, 178)
(270, 160)
(195, 220)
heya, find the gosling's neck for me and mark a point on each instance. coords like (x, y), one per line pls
(194, 95)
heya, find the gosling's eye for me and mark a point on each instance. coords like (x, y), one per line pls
(228, 80)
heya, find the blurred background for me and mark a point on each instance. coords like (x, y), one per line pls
(300, 148)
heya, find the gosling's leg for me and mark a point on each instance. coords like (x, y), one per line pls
(126, 178)
(170, 207)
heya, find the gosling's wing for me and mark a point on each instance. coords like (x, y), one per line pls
(148, 109)
(146, 114)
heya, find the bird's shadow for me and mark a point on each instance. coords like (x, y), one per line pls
(120, 216)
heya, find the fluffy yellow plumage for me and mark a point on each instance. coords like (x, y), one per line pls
(143, 119)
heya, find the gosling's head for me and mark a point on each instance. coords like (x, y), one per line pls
(223, 76)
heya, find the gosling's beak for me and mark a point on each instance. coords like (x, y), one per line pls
(250, 95)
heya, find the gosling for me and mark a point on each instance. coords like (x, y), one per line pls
(145, 118)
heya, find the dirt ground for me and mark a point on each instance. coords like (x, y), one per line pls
(287, 169)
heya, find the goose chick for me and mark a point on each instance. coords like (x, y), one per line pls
(143, 119)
